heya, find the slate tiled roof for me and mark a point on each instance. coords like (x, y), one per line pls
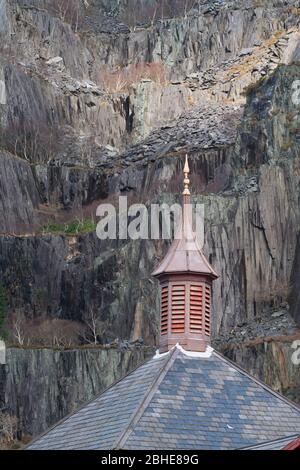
(178, 401)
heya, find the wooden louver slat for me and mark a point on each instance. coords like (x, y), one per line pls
(178, 309)
(164, 310)
(196, 306)
(207, 309)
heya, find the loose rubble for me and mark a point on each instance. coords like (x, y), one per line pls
(270, 324)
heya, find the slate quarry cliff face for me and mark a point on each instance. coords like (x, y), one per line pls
(78, 128)
(42, 386)
(257, 186)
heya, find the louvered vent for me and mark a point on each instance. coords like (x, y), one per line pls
(178, 308)
(207, 308)
(196, 308)
(164, 310)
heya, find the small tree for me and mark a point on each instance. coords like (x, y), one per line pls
(31, 140)
(18, 327)
(3, 308)
(94, 328)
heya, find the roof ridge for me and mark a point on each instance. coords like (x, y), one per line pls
(146, 400)
(209, 266)
(175, 242)
(257, 381)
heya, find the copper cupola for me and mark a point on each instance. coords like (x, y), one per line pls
(185, 278)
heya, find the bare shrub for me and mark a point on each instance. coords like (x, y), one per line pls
(117, 81)
(113, 81)
(57, 333)
(41, 332)
(8, 427)
(31, 140)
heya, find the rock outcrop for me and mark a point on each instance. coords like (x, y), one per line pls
(247, 186)
(41, 386)
(80, 124)
(275, 362)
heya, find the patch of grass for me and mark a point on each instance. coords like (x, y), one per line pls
(74, 227)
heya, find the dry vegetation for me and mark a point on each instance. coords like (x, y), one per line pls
(8, 430)
(246, 64)
(31, 140)
(10, 436)
(294, 10)
(54, 333)
(119, 81)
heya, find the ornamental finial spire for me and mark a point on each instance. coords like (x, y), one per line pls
(186, 279)
(186, 181)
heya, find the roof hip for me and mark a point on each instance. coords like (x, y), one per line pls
(146, 400)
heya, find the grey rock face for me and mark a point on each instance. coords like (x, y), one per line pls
(295, 281)
(4, 24)
(52, 115)
(247, 188)
(272, 362)
(2, 89)
(19, 195)
(111, 279)
(292, 53)
(68, 143)
(41, 386)
(180, 44)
